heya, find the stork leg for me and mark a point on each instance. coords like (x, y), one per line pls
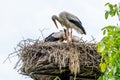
(67, 34)
(70, 34)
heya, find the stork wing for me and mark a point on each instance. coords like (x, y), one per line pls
(73, 19)
(78, 24)
(51, 38)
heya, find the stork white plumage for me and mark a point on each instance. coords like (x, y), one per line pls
(60, 37)
(69, 21)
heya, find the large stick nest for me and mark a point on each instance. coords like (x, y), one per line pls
(46, 60)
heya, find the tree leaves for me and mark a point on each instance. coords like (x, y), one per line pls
(109, 47)
(113, 10)
(106, 14)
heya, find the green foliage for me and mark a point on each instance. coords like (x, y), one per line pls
(109, 47)
(113, 10)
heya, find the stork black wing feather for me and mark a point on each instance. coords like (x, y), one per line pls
(50, 38)
(78, 24)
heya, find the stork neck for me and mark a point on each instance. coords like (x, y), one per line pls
(58, 19)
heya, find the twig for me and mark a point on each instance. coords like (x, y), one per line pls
(41, 31)
(8, 58)
(93, 39)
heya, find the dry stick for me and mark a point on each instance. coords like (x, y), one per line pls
(17, 64)
(93, 39)
(41, 31)
(16, 51)
(8, 58)
(92, 56)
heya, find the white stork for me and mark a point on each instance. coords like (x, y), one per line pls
(69, 21)
(56, 36)
(60, 37)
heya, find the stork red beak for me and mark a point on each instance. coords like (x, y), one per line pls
(55, 23)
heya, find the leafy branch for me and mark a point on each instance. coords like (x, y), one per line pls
(109, 47)
(113, 10)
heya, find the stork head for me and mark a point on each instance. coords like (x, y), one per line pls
(54, 17)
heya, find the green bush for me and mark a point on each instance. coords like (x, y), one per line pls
(109, 47)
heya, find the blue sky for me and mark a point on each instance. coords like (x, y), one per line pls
(22, 19)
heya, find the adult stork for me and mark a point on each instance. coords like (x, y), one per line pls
(69, 21)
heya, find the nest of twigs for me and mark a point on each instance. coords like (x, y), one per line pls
(46, 60)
